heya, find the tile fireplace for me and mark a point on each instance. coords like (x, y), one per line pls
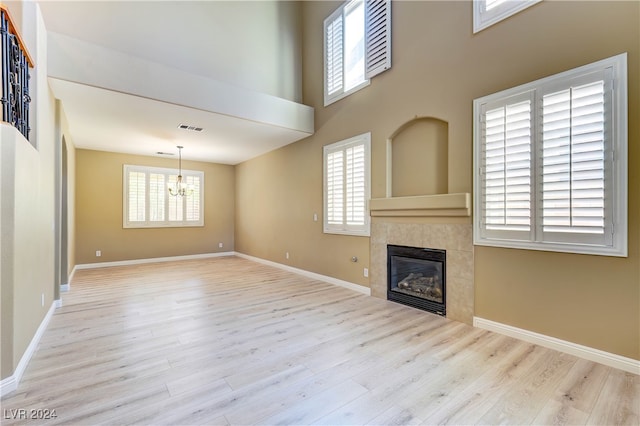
(441, 222)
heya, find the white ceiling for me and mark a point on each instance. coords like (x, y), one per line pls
(220, 41)
(106, 120)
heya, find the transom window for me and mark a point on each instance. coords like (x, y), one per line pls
(551, 163)
(357, 46)
(148, 204)
(489, 12)
(347, 186)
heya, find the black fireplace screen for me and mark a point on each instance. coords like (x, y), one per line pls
(416, 277)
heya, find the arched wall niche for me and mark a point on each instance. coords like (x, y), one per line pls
(417, 158)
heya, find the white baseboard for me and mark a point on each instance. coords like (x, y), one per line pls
(10, 383)
(313, 275)
(65, 287)
(612, 360)
(73, 271)
(149, 260)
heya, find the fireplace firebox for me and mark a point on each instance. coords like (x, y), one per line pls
(416, 277)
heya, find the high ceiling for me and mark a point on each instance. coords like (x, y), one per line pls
(238, 62)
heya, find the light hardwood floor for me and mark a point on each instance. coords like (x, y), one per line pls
(230, 341)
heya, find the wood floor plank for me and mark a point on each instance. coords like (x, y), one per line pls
(314, 407)
(396, 416)
(508, 360)
(233, 342)
(576, 395)
(517, 405)
(619, 400)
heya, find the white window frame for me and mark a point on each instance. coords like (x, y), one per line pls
(483, 18)
(376, 46)
(166, 223)
(613, 71)
(343, 227)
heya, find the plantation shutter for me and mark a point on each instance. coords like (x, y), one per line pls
(175, 204)
(334, 187)
(334, 67)
(192, 201)
(355, 184)
(377, 37)
(574, 170)
(157, 191)
(136, 184)
(506, 168)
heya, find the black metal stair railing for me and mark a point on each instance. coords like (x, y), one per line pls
(15, 78)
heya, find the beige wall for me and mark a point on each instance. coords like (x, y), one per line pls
(439, 67)
(99, 211)
(66, 192)
(71, 200)
(27, 244)
(277, 196)
(27, 208)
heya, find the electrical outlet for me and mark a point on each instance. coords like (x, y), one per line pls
(315, 217)
(220, 245)
(98, 253)
(366, 272)
(286, 255)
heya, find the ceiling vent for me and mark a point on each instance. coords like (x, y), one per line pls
(188, 127)
(164, 153)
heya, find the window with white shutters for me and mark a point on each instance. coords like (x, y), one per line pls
(357, 46)
(147, 202)
(489, 12)
(346, 186)
(551, 163)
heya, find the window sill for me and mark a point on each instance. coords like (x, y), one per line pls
(328, 100)
(366, 233)
(552, 247)
(156, 226)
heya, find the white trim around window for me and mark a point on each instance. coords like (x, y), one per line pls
(347, 187)
(550, 163)
(147, 203)
(489, 12)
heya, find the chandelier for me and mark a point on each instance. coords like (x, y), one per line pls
(180, 188)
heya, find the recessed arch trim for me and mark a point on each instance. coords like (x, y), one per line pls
(389, 146)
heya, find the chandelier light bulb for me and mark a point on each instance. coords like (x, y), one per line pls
(181, 188)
